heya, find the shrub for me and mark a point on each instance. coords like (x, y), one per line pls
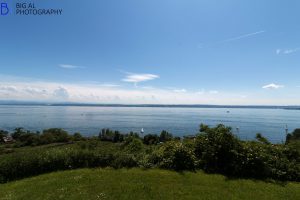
(109, 135)
(124, 160)
(269, 161)
(3, 134)
(29, 163)
(133, 145)
(165, 136)
(151, 139)
(217, 149)
(295, 136)
(262, 139)
(54, 135)
(175, 155)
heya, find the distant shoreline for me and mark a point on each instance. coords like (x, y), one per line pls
(15, 103)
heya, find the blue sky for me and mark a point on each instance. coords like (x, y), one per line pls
(138, 51)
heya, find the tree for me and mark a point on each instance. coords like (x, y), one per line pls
(151, 139)
(133, 145)
(55, 135)
(18, 133)
(77, 137)
(165, 136)
(3, 134)
(294, 136)
(262, 139)
(175, 155)
(217, 148)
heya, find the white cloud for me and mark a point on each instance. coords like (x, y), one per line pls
(8, 88)
(287, 51)
(13, 88)
(61, 93)
(201, 92)
(272, 86)
(136, 78)
(66, 66)
(179, 90)
(213, 92)
(34, 91)
(109, 85)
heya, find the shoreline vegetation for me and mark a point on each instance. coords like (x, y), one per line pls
(213, 150)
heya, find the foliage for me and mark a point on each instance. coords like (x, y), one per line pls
(295, 136)
(54, 135)
(269, 161)
(78, 137)
(151, 139)
(175, 155)
(217, 149)
(133, 145)
(165, 136)
(3, 134)
(220, 151)
(28, 163)
(262, 139)
(109, 135)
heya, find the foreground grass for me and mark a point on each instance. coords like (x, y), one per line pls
(142, 184)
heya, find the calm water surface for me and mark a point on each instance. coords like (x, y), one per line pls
(179, 121)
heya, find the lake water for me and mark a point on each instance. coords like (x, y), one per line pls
(179, 121)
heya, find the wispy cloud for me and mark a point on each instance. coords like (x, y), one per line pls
(67, 66)
(287, 51)
(136, 78)
(201, 92)
(272, 86)
(109, 85)
(242, 36)
(213, 92)
(179, 90)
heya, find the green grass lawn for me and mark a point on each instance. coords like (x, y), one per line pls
(131, 184)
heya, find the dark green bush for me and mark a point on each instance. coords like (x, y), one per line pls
(19, 165)
(77, 137)
(151, 139)
(175, 155)
(109, 135)
(217, 149)
(133, 145)
(54, 135)
(126, 160)
(165, 136)
(269, 161)
(295, 136)
(262, 139)
(3, 134)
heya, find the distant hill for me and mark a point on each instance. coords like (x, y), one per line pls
(32, 103)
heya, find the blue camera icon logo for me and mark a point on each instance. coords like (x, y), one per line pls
(4, 10)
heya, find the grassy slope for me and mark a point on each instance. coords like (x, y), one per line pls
(142, 184)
